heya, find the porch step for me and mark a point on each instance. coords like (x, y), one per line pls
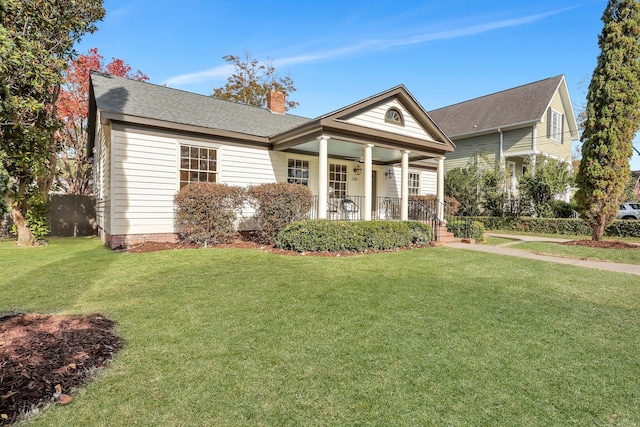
(445, 236)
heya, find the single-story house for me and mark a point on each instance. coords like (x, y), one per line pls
(512, 126)
(148, 141)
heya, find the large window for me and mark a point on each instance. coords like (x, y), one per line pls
(414, 184)
(197, 164)
(555, 126)
(338, 180)
(298, 172)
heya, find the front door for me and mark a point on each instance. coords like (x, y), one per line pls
(374, 194)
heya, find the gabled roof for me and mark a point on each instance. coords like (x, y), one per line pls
(336, 124)
(133, 98)
(521, 105)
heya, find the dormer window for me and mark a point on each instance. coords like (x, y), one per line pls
(394, 116)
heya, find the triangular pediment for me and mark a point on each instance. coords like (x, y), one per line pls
(371, 113)
(365, 122)
(403, 123)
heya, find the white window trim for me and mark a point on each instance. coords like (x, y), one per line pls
(198, 144)
(346, 187)
(419, 187)
(555, 136)
(294, 158)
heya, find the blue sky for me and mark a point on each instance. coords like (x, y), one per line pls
(339, 52)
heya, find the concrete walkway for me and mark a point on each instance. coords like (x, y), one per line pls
(503, 249)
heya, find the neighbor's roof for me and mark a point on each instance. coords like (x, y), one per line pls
(146, 100)
(519, 105)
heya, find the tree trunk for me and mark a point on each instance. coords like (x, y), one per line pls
(18, 213)
(597, 232)
(25, 238)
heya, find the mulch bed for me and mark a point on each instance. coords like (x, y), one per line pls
(606, 244)
(43, 358)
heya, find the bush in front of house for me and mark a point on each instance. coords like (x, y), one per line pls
(205, 213)
(420, 232)
(338, 236)
(278, 205)
(467, 228)
(571, 226)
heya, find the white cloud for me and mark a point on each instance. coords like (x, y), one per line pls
(374, 45)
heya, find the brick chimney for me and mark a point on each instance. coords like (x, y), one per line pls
(276, 102)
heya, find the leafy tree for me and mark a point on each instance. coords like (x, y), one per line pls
(36, 42)
(480, 186)
(252, 81)
(549, 182)
(612, 116)
(74, 170)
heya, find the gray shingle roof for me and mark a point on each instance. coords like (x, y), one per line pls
(522, 104)
(141, 99)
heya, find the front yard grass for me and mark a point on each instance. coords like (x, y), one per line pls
(432, 336)
(625, 256)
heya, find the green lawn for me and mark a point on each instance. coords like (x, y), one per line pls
(625, 256)
(434, 336)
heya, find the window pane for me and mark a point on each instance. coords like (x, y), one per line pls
(184, 151)
(212, 177)
(194, 152)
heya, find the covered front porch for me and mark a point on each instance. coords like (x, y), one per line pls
(365, 161)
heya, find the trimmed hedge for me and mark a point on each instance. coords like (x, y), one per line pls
(576, 226)
(459, 229)
(337, 236)
(205, 212)
(420, 232)
(278, 205)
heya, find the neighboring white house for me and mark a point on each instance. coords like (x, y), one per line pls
(148, 141)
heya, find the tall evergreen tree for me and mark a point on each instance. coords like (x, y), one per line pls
(612, 116)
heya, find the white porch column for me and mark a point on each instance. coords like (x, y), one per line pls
(404, 186)
(368, 181)
(323, 182)
(440, 189)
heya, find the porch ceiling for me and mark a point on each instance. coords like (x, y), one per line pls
(354, 151)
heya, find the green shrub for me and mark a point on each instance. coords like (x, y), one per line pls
(420, 232)
(205, 213)
(278, 205)
(562, 209)
(338, 236)
(571, 226)
(467, 228)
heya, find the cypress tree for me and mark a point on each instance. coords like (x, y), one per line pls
(612, 117)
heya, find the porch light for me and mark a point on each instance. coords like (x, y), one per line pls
(358, 170)
(389, 173)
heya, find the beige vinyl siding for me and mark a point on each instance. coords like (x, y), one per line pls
(244, 166)
(145, 182)
(428, 182)
(374, 119)
(561, 150)
(517, 140)
(393, 187)
(101, 176)
(467, 148)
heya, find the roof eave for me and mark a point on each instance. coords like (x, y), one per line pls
(162, 124)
